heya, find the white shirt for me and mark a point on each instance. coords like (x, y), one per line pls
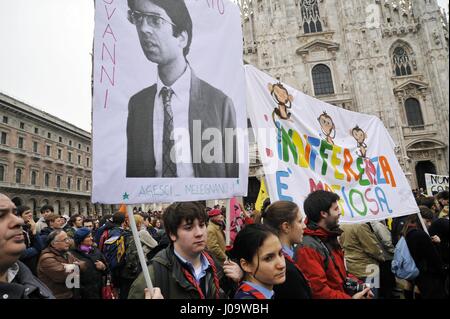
(180, 110)
(12, 272)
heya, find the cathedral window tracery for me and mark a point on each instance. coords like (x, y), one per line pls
(402, 61)
(311, 16)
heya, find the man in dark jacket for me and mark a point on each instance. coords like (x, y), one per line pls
(16, 280)
(320, 257)
(184, 270)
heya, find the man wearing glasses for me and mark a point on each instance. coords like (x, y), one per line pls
(178, 102)
(56, 263)
(16, 280)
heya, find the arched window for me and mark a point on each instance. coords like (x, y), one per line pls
(401, 61)
(18, 175)
(413, 112)
(322, 80)
(33, 178)
(311, 16)
(2, 173)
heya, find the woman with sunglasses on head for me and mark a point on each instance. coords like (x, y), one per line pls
(259, 253)
(287, 222)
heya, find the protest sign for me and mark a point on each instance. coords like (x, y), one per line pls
(306, 145)
(436, 183)
(169, 113)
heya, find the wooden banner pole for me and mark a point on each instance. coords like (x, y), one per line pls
(228, 223)
(140, 251)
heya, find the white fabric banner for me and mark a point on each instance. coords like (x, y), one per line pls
(306, 144)
(169, 113)
(436, 183)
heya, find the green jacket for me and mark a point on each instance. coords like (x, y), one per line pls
(362, 249)
(166, 273)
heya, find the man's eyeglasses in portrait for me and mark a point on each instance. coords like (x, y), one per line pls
(153, 20)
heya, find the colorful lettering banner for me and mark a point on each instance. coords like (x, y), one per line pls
(306, 145)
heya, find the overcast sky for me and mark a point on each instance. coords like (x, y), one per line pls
(45, 55)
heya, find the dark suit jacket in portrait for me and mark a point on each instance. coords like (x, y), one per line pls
(207, 104)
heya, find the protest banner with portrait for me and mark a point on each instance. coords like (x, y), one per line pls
(306, 144)
(169, 114)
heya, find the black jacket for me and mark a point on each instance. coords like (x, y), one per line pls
(207, 105)
(91, 279)
(440, 227)
(166, 273)
(431, 277)
(295, 287)
(25, 286)
(34, 245)
(44, 234)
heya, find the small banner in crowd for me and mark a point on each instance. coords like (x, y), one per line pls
(262, 195)
(169, 115)
(436, 183)
(306, 145)
(236, 218)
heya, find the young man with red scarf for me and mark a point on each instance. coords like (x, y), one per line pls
(185, 270)
(320, 257)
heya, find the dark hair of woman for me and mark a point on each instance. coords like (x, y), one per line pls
(248, 241)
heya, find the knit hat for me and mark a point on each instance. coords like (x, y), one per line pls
(214, 212)
(81, 234)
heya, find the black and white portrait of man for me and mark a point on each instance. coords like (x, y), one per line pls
(167, 119)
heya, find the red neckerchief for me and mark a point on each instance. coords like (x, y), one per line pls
(194, 282)
(250, 290)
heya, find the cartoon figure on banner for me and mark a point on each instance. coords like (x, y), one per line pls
(283, 99)
(327, 127)
(360, 136)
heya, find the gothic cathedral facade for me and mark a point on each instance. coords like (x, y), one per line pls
(379, 57)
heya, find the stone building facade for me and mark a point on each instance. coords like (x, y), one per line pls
(379, 57)
(45, 160)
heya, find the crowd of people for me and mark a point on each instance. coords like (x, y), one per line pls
(281, 252)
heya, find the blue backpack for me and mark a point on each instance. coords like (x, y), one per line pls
(403, 265)
(114, 251)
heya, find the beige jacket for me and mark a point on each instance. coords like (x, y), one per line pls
(216, 242)
(362, 249)
(52, 272)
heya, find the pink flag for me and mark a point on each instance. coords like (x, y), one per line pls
(237, 218)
